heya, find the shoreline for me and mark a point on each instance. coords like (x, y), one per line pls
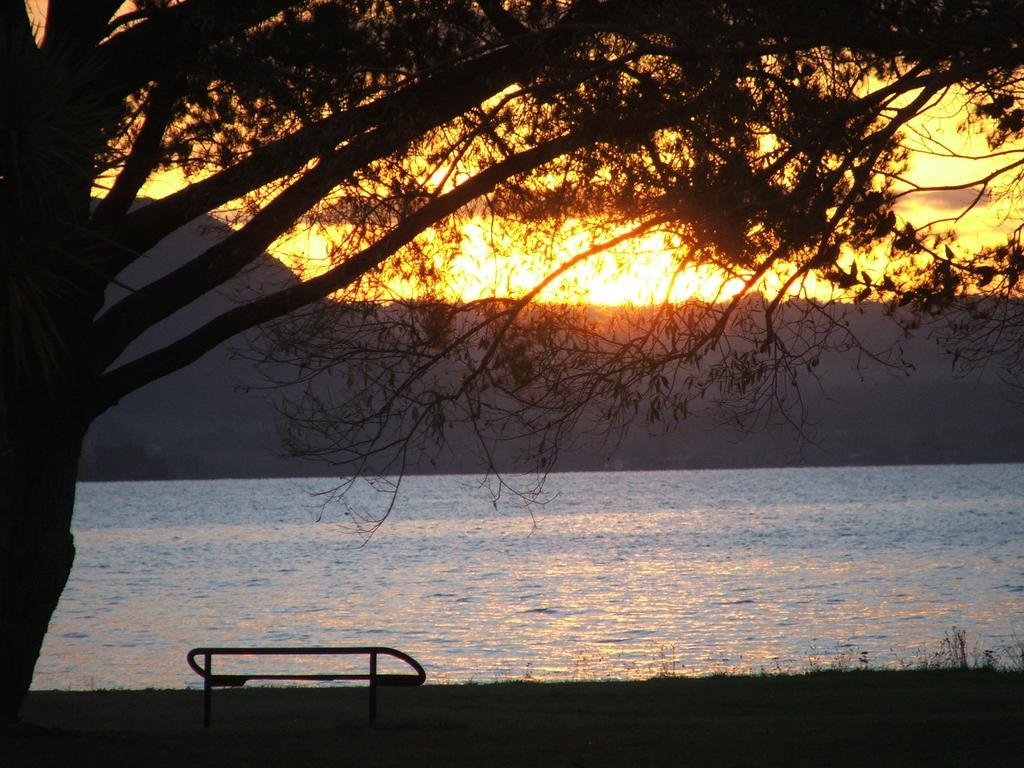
(851, 464)
(934, 717)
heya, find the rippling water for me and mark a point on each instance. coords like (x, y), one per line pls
(617, 575)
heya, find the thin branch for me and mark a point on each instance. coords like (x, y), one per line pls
(981, 181)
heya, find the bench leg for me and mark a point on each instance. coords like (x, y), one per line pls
(373, 689)
(207, 691)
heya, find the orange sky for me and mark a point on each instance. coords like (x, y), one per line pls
(641, 272)
(645, 271)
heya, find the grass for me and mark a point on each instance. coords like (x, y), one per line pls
(923, 717)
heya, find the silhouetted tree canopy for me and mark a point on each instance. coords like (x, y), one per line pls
(769, 142)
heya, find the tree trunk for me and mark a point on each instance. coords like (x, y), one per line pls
(37, 494)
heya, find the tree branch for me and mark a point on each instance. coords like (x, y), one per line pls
(80, 24)
(144, 157)
(168, 41)
(503, 21)
(129, 377)
(15, 23)
(432, 102)
(130, 317)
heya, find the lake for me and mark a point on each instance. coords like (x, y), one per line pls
(613, 575)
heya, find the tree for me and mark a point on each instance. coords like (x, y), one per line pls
(763, 140)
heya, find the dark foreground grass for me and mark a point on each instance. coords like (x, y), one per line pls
(872, 718)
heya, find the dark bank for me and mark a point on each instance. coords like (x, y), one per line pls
(878, 718)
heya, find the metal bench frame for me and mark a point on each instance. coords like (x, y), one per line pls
(211, 680)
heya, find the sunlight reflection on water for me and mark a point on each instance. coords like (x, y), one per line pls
(625, 574)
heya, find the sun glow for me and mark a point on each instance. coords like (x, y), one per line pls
(941, 191)
(643, 271)
(646, 270)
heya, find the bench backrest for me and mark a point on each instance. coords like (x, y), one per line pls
(372, 676)
(373, 652)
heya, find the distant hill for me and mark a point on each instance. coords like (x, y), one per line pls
(208, 421)
(203, 421)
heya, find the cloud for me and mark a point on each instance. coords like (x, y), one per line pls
(945, 201)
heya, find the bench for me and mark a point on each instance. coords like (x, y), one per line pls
(374, 678)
